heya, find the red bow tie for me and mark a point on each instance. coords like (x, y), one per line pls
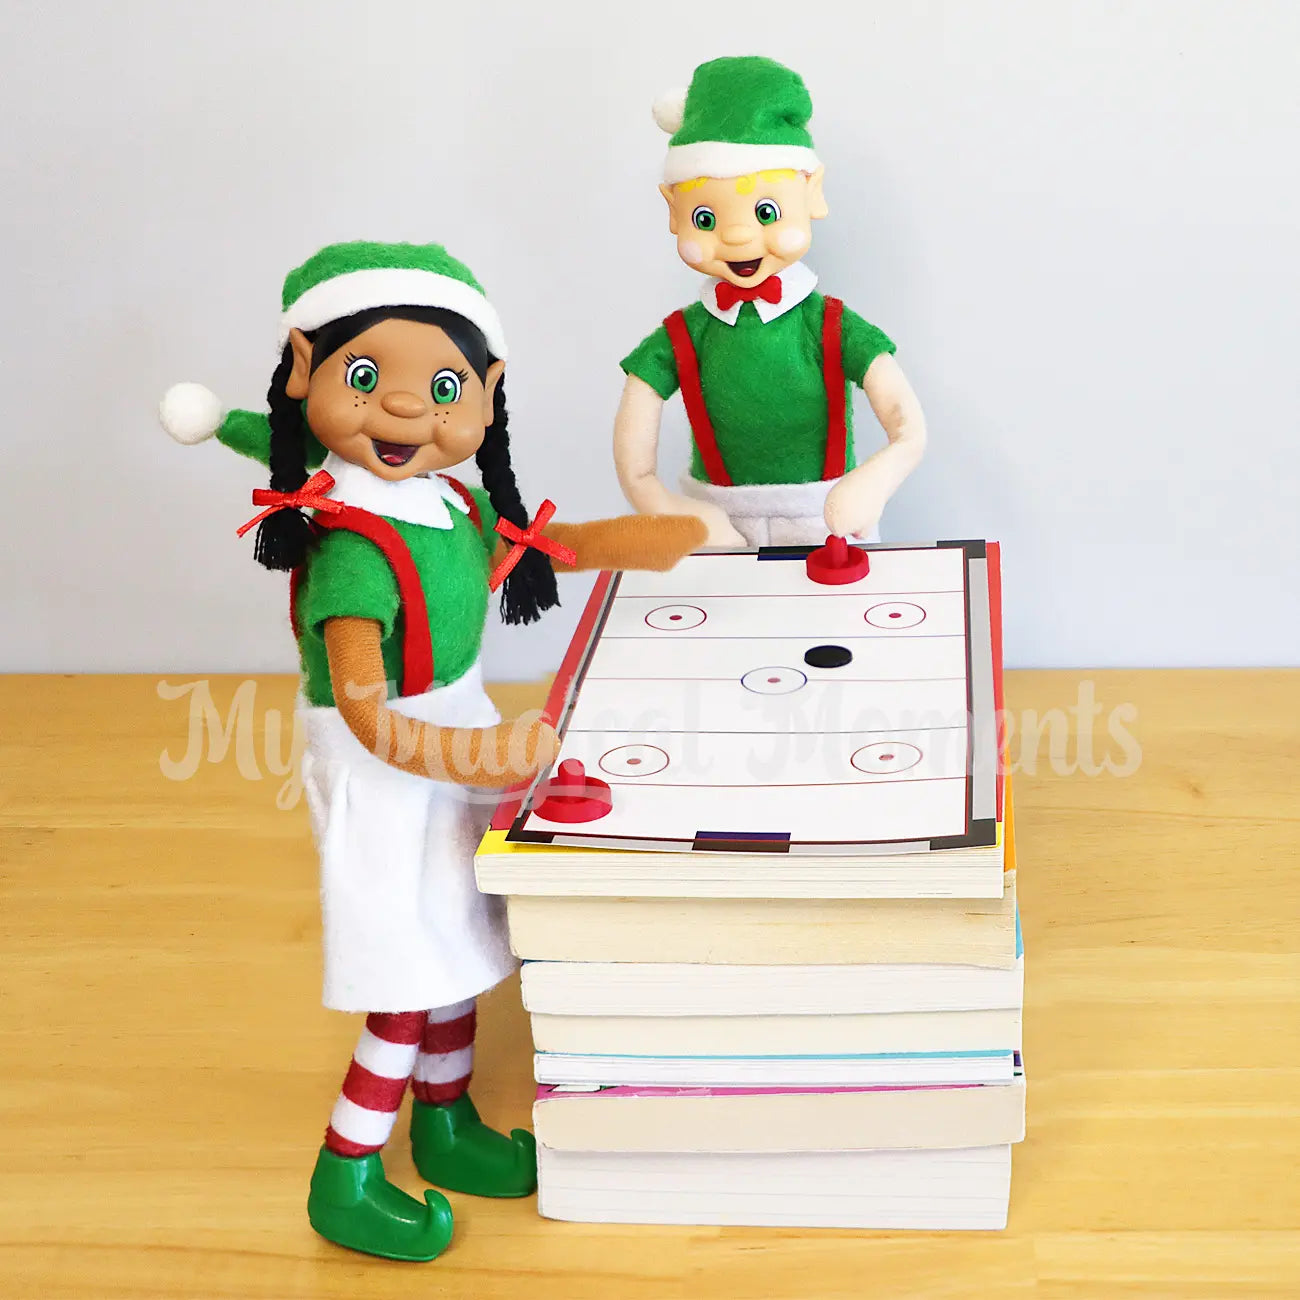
(727, 295)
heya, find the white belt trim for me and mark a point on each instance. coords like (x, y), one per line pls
(763, 500)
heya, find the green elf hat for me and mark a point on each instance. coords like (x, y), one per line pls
(739, 116)
(337, 281)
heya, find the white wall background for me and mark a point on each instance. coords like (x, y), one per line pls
(1081, 222)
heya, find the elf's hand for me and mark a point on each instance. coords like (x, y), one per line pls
(854, 506)
(721, 531)
(503, 755)
(654, 542)
(533, 744)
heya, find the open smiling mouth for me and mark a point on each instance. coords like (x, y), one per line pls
(395, 454)
(745, 269)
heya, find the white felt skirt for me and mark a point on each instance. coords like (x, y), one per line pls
(772, 514)
(405, 927)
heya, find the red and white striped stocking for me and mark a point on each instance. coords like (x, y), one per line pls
(383, 1061)
(446, 1057)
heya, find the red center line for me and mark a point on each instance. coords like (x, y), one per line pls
(886, 778)
(812, 681)
(811, 636)
(785, 731)
(788, 595)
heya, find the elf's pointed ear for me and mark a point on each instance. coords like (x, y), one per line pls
(296, 385)
(667, 192)
(490, 381)
(816, 196)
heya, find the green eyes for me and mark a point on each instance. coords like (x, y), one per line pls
(445, 387)
(361, 374)
(767, 211)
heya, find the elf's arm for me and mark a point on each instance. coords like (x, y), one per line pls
(654, 542)
(857, 501)
(474, 756)
(629, 542)
(636, 458)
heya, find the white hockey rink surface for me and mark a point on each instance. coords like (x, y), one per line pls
(700, 706)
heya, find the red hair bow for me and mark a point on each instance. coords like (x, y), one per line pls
(526, 537)
(311, 496)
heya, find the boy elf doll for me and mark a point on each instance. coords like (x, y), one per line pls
(763, 360)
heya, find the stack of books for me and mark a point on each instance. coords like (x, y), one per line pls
(817, 1034)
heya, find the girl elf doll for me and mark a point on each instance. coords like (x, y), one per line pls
(390, 373)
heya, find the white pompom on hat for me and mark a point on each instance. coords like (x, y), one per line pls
(670, 109)
(190, 413)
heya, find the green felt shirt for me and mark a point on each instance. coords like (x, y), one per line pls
(763, 386)
(348, 577)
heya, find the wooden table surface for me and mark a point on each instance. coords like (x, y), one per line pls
(168, 1068)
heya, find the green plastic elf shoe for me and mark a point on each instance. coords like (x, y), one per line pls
(453, 1148)
(354, 1205)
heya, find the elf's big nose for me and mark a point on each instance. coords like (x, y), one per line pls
(734, 236)
(406, 406)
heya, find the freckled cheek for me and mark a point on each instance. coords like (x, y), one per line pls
(791, 240)
(336, 418)
(690, 251)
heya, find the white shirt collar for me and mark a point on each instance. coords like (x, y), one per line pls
(797, 282)
(420, 500)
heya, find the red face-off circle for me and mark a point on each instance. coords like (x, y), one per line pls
(895, 614)
(774, 681)
(675, 618)
(885, 757)
(633, 760)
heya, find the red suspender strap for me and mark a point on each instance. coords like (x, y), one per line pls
(417, 647)
(295, 587)
(688, 376)
(467, 497)
(837, 437)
